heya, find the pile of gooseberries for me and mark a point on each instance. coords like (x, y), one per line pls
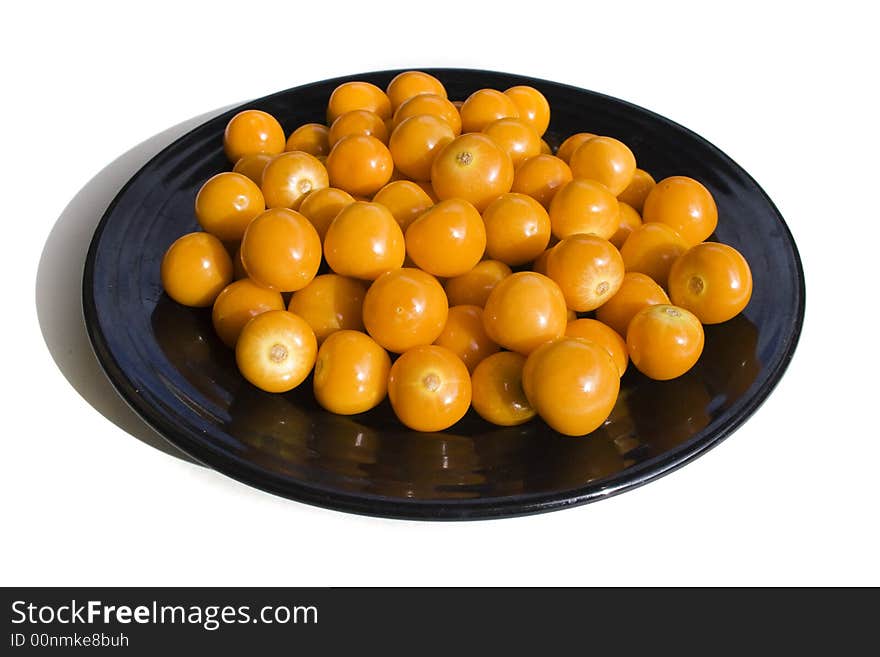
(441, 254)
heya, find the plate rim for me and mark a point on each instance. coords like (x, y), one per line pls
(452, 509)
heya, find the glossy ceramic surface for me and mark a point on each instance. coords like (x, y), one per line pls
(167, 363)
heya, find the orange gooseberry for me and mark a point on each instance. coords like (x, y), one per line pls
(474, 168)
(289, 177)
(540, 263)
(515, 137)
(605, 160)
(364, 241)
(484, 106)
(636, 292)
(572, 383)
(252, 166)
(359, 164)
(358, 122)
(532, 106)
(711, 280)
(405, 308)
(524, 310)
(473, 287)
(405, 200)
(227, 203)
(281, 250)
(637, 190)
(195, 269)
(412, 83)
(276, 351)
(541, 177)
(330, 303)
(569, 145)
(517, 229)
(357, 96)
(252, 131)
(664, 341)
(629, 221)
(584, 206)
(429, 388)
(545, 148)
(588, 270)
(351, 373)
(651, 249)
(684, 205)
(322, 205)
(603, 335)
(311, 138)
(237, 304)
(465, 336)
(497, 391)
(415, 143)
(432, 104)
(448, 239)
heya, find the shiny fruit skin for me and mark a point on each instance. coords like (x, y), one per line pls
(405, 200)
(629, 221)
(252, 166)
(540, 263)
(474, 287)
(484, 106)
(497, 392)
(429, 104)
(311, 138)
(664, 341)
(541, 177)
(227, 203)
(250, 132)
(711, 280)
(605, 160)
(651, 249)
(572, 383)
(276, 351)
(533, 108)
(351, 373)
(638, 189)
(415, 143)
(517, 139)
(360, 165)
(358, 122)
(330, 303)
(517, 229)
(465, 335)
(684, 205)
(289, 177)
(351, 96)
(412, 83)
(570, 145)
(588, 270)
(603, 335)
(474, 168)
(281, 250)
(237, 304)
(405, 308)
(584, 206)
(448, 239)
(525, 310)
(637, 291)
(195, 269)
(321, 206)
(429, 388)
(364, 241)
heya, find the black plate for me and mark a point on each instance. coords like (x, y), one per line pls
(167, 364)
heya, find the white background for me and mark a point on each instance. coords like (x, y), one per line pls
(791, 498)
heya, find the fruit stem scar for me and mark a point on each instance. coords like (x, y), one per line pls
(431, 382)
(277, 353)
(672, 312)
(696, 284)
(602, 288)
(464, 158)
